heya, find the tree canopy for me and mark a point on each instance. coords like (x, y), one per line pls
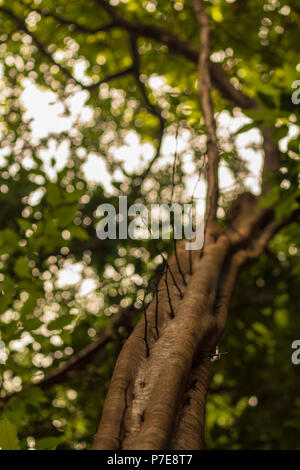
(121, 80)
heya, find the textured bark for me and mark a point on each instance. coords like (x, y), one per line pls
(158, 391)
(157, 395)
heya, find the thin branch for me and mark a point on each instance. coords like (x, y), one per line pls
(173, 226)
(155, 110)
(272, 157)
(208, 113)
(165, 263)
(175, 45)
(85, 355)
(169, 295)
(239, 259)
(152, 108)
(109, 78)
(160, 134)
(259, 244)
(181, 47)
(174, 164)
(44, 12)
(184, 48)
(49, 56)
(202, 167)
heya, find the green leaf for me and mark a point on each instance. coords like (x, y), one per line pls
(287, 205)
(79, 232)
(8, 241)
(21, 268)
(60, 322)
(8, 436)
(271, 198)
(32, 324)
(65, 214)
(48, 443)
(53, 194)
(24, 224)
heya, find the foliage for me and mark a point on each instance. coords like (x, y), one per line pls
(48, 209)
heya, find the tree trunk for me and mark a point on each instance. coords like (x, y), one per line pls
(157, 394)
(158, 391)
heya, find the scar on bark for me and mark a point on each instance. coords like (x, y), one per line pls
(146, 327)
(156, 307)
(122, 427)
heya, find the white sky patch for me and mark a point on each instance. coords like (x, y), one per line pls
(46, 112)
(253, 158)
(95, 171)
(41, 106)
(79, 69)
(87, 287)
(35, 197)
(47, 116)
(228, 125)
(293, 133)
(20, 344)
(171, 145)
(49, 314)
(133, 154)
(4, 153)
(157, 83)
(196, 189)
(225, 177)
(57, 152)
(69, 275)
(130, 153)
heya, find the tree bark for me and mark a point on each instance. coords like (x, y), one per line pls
(158, 391)
(157, 394)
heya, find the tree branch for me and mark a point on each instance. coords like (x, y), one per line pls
(208, 113)
(182, 47)
(44, 12)
(49, 56)
(272, 157)
(79, 360)
(152, 108)
(175, 44)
